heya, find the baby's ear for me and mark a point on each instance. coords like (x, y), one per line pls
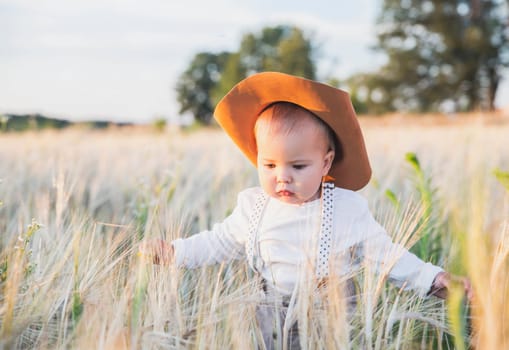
(328, 159)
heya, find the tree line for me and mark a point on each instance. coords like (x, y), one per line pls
(37, 122)
(442, 55)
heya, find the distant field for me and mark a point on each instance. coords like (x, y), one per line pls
(75, 204)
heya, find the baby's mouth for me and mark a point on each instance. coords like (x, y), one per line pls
(285, 193)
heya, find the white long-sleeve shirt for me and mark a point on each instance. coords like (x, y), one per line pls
(288, 236)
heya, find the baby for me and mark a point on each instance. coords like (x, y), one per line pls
(306, 143)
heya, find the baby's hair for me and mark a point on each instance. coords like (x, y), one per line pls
(285, 116)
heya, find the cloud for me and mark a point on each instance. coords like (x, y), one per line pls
(122, 58)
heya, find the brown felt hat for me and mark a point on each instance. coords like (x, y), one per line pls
(238, 110)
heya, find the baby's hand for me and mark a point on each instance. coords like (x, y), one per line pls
(444, 281)
(157, 250)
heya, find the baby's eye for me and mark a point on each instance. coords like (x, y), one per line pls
(269, 166)
(299, 166)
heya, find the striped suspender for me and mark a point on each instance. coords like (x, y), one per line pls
(322, 262)
(253, 249)
(322, 259)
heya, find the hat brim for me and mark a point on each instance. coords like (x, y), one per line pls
(239, 109)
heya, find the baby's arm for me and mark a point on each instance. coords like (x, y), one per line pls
(224, 242)
(407, 270)
(204, 248)
(444, 281)
(158, 251)
(402, 267)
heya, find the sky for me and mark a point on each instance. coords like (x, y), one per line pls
(119, 60)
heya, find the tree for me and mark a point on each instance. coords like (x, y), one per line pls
(194, 86)
(210, 76)
(442, 55)
(296, 55)
(283, 49)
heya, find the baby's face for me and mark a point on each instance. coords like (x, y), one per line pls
(291, 165)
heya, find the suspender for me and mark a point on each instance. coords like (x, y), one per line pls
(253, 248)
(322, 262)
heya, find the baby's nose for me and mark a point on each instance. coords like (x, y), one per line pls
(283, 177)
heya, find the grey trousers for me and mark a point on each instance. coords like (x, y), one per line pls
(280, 330)
(275, 328)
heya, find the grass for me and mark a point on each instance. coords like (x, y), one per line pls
(74, 205)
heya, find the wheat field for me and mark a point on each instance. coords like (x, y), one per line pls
(75, 204)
